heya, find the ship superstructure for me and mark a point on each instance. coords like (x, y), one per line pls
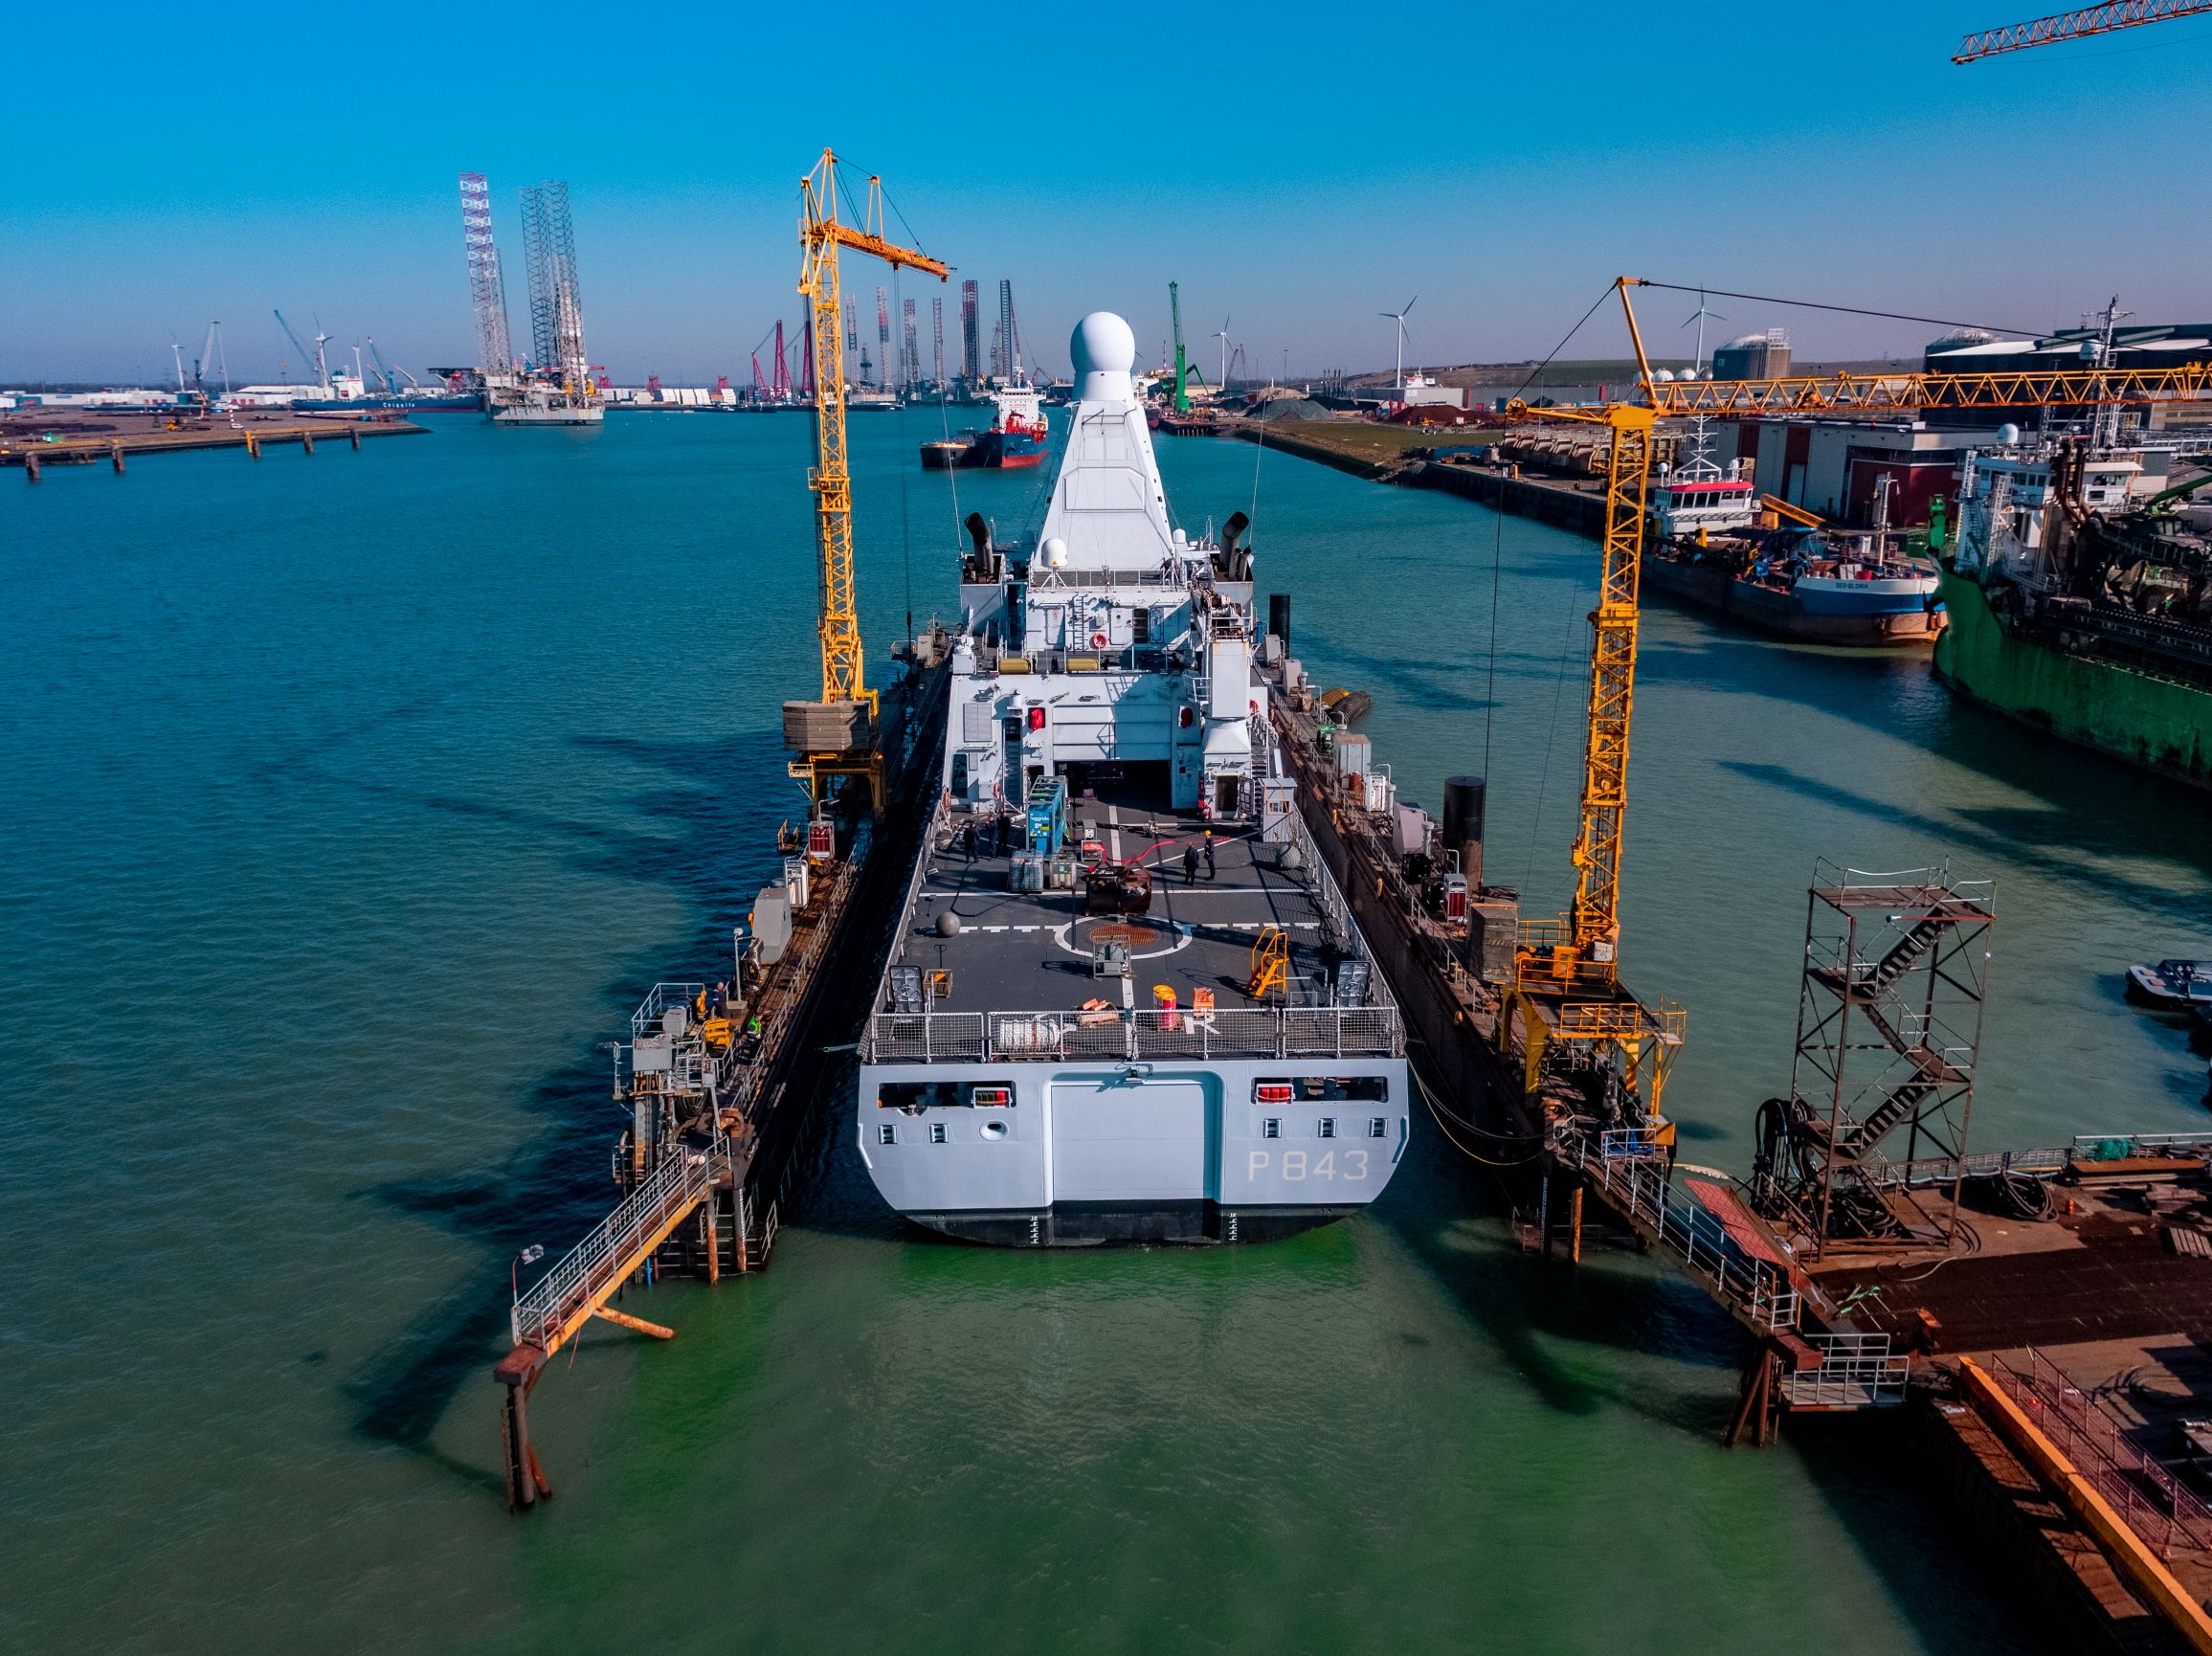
(1126, 1003)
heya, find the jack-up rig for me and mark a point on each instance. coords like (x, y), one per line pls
(716, 1079)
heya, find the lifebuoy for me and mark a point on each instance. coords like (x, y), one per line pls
(1098, 641)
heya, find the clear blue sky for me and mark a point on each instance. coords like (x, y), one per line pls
(1298, 168)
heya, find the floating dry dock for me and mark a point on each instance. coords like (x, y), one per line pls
(2039, 1321)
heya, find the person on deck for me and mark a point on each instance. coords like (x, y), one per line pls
(1190, 865)
(1209, 854)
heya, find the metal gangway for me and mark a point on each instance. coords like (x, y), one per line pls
(586, 1280)
(577, 1289)
(1715, 1240)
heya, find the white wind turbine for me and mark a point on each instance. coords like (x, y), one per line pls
(1700, 316)
(1399, 317)
(1701, 466)
(1221, 333)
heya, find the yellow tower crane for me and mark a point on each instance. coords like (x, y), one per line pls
(836, 736)
(1567, 976)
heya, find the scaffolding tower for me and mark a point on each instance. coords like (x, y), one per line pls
(1896, 971)
(970, 337)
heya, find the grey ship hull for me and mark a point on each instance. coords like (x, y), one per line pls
(1126, 1003)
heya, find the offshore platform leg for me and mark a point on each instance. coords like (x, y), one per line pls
(517, 1373)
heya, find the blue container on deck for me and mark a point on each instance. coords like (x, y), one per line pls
(1048, 814)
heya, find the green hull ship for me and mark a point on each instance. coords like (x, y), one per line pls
(2082, 607)
(2163, 723)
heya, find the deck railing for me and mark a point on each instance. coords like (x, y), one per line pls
(2155, 1505)
(1134, 1037)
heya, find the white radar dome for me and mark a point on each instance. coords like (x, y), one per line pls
(2008, 434)
(1054, 552)
(1103, 350)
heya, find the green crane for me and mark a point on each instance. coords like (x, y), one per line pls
(1182, 370)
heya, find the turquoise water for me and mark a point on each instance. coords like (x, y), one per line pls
(351, 801)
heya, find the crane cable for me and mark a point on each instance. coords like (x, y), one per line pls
(1428, 1098)
(1840, 309)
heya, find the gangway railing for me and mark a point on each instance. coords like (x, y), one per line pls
(1856, 1371)
(594, 1271)
(1629, 1166)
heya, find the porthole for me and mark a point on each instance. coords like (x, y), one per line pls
(995, 1129)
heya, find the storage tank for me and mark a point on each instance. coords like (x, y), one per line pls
(1463, 802)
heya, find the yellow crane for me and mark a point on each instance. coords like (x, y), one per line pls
(836, 736)
(1571, 964)
(2074, 25)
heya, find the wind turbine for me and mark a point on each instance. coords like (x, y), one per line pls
(1699, 316)
(1221, 333)
(1399, 317)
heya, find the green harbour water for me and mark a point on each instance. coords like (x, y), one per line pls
(351, 801)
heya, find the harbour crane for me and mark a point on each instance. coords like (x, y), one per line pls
(1182, 363)
(211, 354)
(836, 736)
(2074, 25)
(383, 368)
(1567, 970)
(306, 356)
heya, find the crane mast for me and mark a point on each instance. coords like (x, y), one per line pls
(1182, 372)
(836, 736)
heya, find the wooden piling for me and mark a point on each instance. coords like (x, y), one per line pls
(306, 442)
(115, 457)
(1574, 1224)
(30, 467)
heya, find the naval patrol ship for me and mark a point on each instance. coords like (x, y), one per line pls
(1126, 1003)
